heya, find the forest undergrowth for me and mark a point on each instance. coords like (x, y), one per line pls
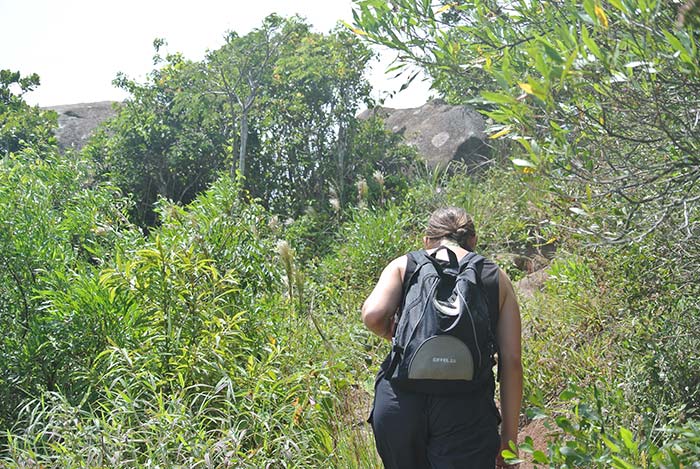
(209, 342)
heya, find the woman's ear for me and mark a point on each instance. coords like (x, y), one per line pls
(426, 242)
(471, 242)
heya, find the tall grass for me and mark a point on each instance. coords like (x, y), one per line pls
(198, 346)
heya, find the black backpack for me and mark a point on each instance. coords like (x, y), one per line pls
(444, 340)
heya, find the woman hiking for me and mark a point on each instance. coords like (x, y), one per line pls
(424, 415)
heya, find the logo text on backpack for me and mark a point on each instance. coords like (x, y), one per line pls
(444, 360)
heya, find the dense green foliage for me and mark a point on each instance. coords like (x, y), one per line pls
(276, 106)
(21, 125)
(228, 335)
(56, 228)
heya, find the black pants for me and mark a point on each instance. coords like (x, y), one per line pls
(425, 431)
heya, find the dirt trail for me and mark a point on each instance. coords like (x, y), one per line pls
(539, 434)
(526, 288)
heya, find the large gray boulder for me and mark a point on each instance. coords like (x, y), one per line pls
(76, 122)
(439, 132)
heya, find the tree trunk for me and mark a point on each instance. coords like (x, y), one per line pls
(244, 143)
(340, 161)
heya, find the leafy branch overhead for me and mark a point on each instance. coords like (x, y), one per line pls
(604, 92)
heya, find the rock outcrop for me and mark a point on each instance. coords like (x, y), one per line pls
(76, 122)
(439, 132)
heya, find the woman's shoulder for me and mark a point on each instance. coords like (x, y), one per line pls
(399, 260)
(399, 263)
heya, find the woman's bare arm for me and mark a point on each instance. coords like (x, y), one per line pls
(509, 357)
(380, 306)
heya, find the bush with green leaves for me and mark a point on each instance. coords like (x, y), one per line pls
(56, 226)
(599, 92)
(614, 325)
(206, 346)
(199, 360)
(277, 104)
(366, 243)
(590, 437)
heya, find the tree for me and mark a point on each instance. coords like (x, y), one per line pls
(296, 94)
(22, 125)
(309, 120)
(167, 139)
(605, 93)
(241, 69)
(281, 98)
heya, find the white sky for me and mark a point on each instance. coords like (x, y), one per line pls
(78, 46)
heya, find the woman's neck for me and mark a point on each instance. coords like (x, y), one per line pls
(450, 243)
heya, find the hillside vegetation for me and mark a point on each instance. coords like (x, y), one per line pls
(185, 292)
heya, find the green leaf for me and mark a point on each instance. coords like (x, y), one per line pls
(628, 440)
(535, 413)
(567, 66)
(409, 81)
(540, 458)
(523, 163)
(589, 7)
(508, 454)
(510, 457)
(498, 98)
(678, 47)
(569, 451)
(551, 52)
(620, 464)
(564, 424)
(618, 4)
(674, 41)
(613, 447)
(527, 445)
(590, 43)
(534, 88)
(326, 439)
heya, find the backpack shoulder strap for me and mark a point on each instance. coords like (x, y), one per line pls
(489, 275)
(415, 260)
(488, 281)
(470, 267)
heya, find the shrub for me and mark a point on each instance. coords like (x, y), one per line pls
(55, 226)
